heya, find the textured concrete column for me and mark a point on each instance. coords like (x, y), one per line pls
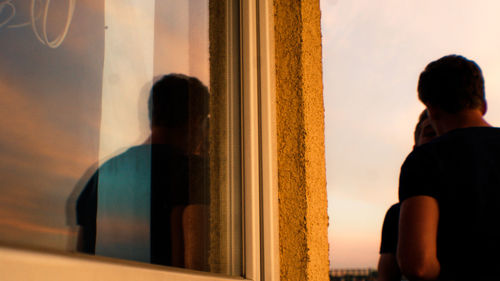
(219, 229)
(301, 155)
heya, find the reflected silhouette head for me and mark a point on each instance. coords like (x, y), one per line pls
(178, 107)
(452, 84)
(176, 99)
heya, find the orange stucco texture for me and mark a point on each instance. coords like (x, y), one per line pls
(303, 219)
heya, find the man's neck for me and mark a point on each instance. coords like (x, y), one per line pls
(176, 138)
(445, 122)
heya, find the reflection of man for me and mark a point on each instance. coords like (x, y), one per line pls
(449, 188)
(138, 205)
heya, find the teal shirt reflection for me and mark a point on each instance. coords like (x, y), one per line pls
(123, 206)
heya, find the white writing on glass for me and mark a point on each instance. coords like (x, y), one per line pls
(8, 12)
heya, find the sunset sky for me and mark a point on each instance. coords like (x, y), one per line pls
(373, 52)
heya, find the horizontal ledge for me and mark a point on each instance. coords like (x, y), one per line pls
(30, 264)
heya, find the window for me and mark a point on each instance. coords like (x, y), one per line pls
(78, 124)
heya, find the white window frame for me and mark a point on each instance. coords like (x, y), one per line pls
(259, 182)
(259, 141)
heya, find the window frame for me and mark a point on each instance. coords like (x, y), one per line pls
(259, 141)
(260, 240)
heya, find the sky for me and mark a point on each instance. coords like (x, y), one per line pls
(373, 52)
(49, 119)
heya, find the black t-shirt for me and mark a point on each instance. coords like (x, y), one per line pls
(176, 180)
(389, 241)
(461, 170)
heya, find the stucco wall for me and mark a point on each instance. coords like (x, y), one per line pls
(219, 261)
(302, 196)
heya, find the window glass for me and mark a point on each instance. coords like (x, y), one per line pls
(113, 139)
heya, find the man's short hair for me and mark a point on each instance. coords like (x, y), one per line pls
(452, 83)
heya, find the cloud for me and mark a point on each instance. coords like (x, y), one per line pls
(35, 229)
(27, 230)
(42, 159)
(31, 135)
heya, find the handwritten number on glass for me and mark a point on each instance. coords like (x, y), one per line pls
(38, 16)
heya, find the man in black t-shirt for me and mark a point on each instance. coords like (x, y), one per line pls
(449, 188)
(149, 203)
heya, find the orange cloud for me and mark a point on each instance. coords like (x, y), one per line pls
(34, 138)
(35, 228)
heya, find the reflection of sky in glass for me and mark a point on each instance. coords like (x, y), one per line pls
(65, 109)
(49, 121)
(127, 71)
(373, 53)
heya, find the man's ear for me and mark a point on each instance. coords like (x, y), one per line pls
(433, 113)
(484, 108)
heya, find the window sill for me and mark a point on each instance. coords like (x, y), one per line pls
(27, 264)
